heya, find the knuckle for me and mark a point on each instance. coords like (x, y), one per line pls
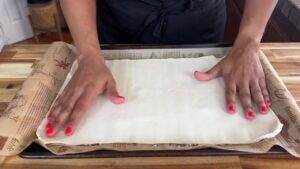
(265, 91)
(67, 107)
(245, 95)
(246, 102)
(262, 77)
(247, 106)
(266, 95)
(76, 89)
(260, 102)
(60, 119)
(230, 76)
(256, 92)
(75, 116)
(229, 99)
(262, 81)
(230, 91)
(80, 107)
(242, 83)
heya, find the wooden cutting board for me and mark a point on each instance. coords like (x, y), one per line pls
(16, 63)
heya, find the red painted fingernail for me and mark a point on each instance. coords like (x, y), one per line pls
(263, 110)
(69, 130)
(49, 125)
(250, 115)
(201, 76)
(50, 131)
(231, 108)
(268, 102)
(118, 99)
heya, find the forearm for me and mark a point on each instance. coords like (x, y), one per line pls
(255, 19)
(81, 19)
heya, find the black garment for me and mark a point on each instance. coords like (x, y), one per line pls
(161, 21)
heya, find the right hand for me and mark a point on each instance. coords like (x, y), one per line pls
(91, 79)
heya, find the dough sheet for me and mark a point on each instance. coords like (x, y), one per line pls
(165, 104)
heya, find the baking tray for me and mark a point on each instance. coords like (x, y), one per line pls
(35, 151)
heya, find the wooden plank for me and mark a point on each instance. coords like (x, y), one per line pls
(4, 83)
(28, 57)
(274, 162)
(13, 71)
(227, 162)
(280, 45)
(286, 53)
(287, 68)
(27, 48)
(6, 55)
(283, 55)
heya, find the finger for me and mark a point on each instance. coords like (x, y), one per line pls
(54, 111)
(50, 130)
(245, 97)
(60, 113)
(54, 125)
(209, 75)
(80, 108)
(230, 94)
(112, 93)
(64, 95)
(68, 95)
(258, 97)
(264, 90)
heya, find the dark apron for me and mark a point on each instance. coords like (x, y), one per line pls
(161, 21)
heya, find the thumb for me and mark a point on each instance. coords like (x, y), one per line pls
(112, 93)
(209, 75)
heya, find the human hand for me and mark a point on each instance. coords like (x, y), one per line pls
(243, 76)
(91, 79)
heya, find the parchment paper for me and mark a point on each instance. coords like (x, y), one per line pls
(23, 115)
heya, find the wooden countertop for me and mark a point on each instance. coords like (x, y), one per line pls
(16, 63)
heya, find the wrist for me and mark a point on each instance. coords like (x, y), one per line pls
(250, 33)
(245, 40)
(91, 53)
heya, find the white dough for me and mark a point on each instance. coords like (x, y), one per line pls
(166, 104)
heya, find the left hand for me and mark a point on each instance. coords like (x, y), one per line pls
(244, 76)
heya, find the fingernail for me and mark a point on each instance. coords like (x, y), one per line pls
(201, 76)
(69, 130)
(50, 131)
(263, 110)
(49, 125)
(250, 115)
(118, 100)
(231, 108)
(268, 102)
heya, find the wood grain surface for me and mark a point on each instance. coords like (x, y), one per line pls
(16, 63)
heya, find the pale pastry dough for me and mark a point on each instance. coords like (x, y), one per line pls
(166, 104)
